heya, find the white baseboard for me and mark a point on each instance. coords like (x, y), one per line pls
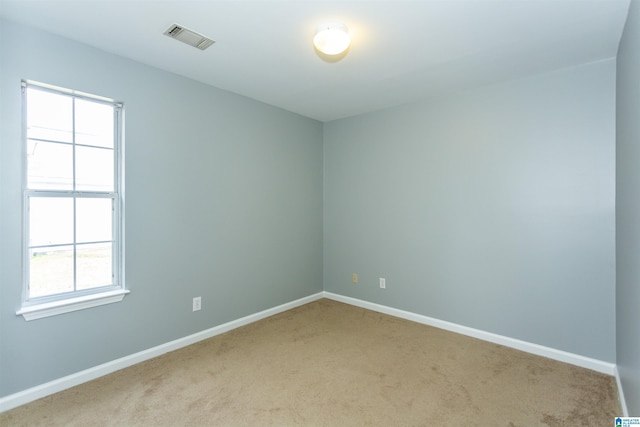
(623, 403)
(551, 353)
(43, 390)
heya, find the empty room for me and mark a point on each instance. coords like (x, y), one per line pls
(319, 213)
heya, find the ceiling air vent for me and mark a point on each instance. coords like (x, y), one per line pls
(189, 37)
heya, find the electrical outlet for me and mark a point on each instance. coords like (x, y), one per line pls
(197, 303)
(383, 283)
(354, 278)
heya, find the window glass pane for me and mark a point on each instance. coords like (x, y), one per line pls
(50, 271)
(93, 220)
(94, 123)
(49, 166)
(93, 266)
(50, 221)
(49, 116)
(94, 169)
(71, 152)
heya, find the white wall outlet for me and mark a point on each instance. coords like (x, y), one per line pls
(354, 278)
(197, 303)
(383, 283)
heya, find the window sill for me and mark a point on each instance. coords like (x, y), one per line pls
(39, 311)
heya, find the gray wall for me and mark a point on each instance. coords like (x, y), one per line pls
(223, 201)
(628, 210)
(492, 208)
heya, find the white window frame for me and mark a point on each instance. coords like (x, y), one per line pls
(45, 306)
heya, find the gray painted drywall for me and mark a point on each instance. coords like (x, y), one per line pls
(223, 201)
(628, 210)
(492, 208)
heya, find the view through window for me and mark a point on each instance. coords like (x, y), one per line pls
(72, 194)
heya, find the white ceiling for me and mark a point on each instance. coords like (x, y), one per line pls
(402, 51)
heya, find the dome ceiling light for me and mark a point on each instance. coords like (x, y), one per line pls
(332, 38)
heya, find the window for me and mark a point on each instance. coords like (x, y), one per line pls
(73, 206)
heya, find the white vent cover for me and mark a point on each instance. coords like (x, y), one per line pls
(189, 37)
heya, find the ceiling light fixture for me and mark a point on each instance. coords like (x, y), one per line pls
(332, 38)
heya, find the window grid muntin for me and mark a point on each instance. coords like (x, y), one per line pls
(116, 241)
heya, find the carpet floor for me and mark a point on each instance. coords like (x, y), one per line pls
(332, 364)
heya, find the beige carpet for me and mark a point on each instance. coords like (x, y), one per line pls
(331, 364)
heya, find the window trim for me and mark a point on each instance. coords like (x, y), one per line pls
(51, 305)
(61, 306)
